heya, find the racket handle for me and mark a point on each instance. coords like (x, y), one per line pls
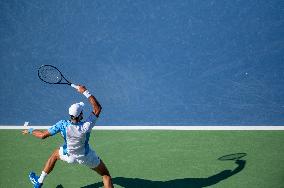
(74, 86)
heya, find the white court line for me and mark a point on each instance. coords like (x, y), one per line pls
(229, 128)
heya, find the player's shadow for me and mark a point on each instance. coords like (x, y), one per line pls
(176, 183)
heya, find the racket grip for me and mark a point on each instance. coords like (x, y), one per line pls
(74, 86)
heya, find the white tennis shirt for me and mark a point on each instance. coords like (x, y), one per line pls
(76, 135)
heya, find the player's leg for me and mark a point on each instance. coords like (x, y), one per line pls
(103, 171)
(96, 164)
(49, 165)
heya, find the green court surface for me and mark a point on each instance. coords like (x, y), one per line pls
(152, 159)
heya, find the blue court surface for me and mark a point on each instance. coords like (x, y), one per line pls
(183, 62)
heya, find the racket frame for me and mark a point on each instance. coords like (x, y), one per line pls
(227, 157)
(60, 81)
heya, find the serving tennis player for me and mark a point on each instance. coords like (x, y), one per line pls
(76, 134)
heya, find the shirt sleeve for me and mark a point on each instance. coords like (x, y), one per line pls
(56, 128)
(90, 122)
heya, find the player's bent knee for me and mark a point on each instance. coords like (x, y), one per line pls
(106, 179)
(55, 154)
(102, 169)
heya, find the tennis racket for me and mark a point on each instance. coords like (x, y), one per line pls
(232, 157)
(51, 75)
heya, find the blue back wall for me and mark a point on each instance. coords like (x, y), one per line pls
(182, 62)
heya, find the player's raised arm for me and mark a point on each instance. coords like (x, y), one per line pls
(94, 102)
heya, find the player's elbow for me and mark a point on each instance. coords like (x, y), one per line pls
(97, 110)
(44, 135)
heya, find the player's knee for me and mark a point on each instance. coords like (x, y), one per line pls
(106, 178)
(55, 154)
(106, 173)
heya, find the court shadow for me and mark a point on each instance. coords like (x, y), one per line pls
(59, 186)
(176, 183)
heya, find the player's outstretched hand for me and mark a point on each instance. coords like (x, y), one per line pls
(24, 132)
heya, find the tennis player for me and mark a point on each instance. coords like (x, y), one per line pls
(76, 147)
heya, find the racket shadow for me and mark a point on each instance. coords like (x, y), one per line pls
(182, 183)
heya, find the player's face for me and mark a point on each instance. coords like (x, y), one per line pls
(80, 117)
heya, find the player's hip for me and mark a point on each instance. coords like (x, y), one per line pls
(90, 159)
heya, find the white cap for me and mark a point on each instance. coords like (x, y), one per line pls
(76, 109)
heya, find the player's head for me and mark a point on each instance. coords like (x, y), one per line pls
(76, 111)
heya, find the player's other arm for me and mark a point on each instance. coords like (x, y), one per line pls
(37, 133)
(94, 102)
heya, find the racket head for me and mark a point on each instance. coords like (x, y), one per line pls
(232, 157)
(50, 74)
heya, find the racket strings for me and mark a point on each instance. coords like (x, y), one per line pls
(50, 74)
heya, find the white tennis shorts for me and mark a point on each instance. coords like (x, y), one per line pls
(91, 160)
